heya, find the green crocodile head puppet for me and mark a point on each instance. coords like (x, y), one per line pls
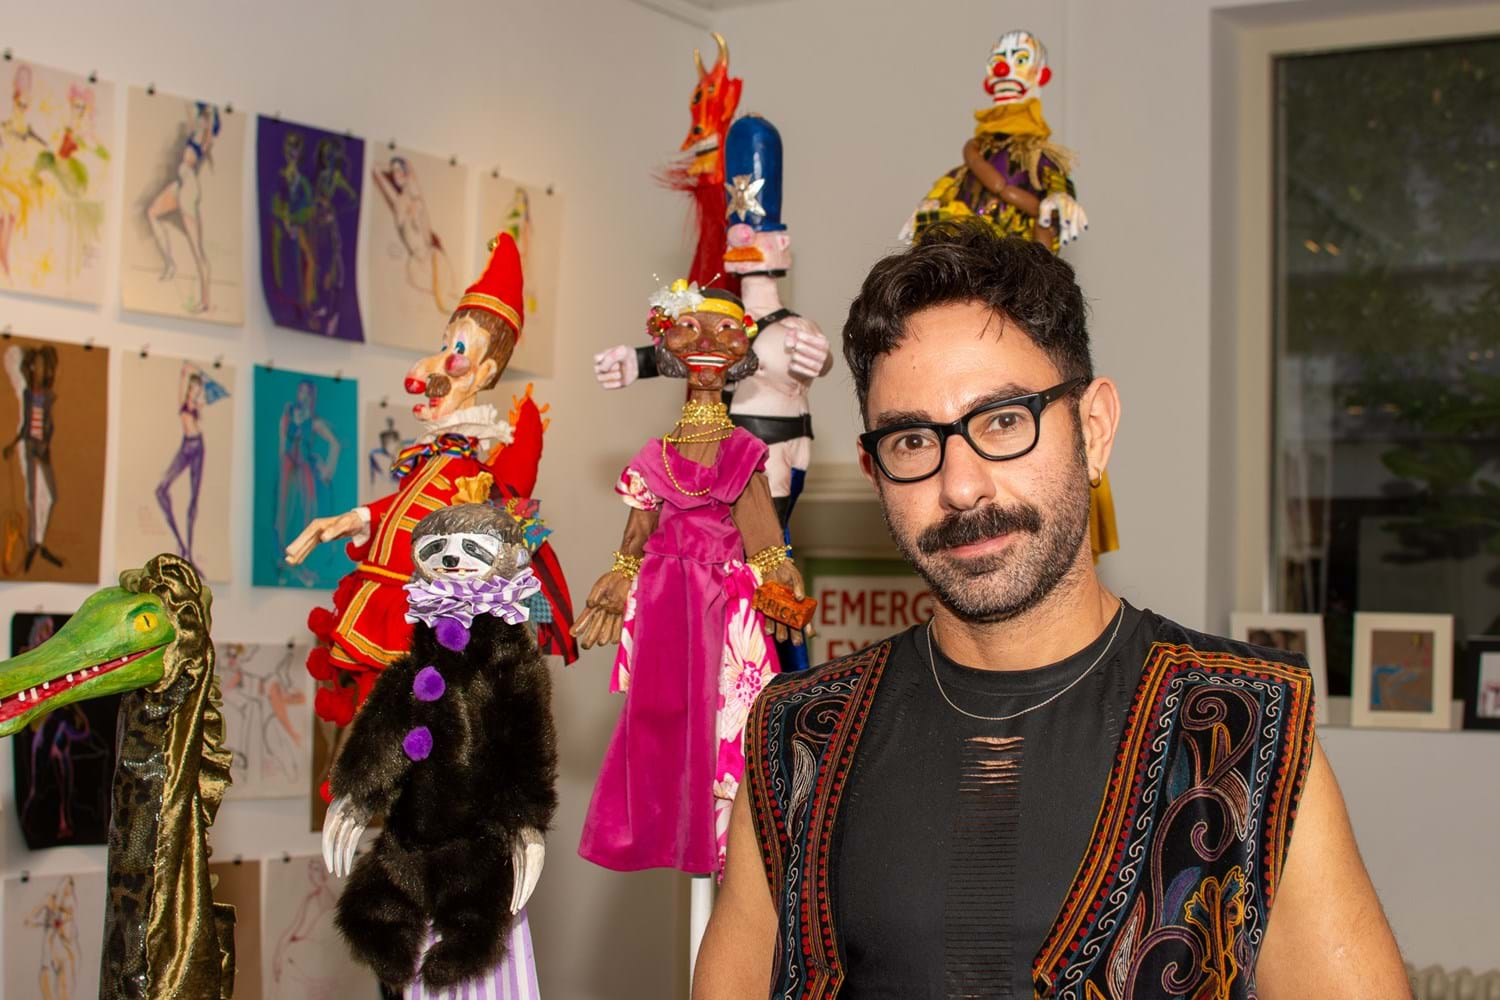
(137, 635)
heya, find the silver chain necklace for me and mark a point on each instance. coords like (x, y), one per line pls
(932, 662)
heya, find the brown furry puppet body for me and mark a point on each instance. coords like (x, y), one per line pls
(455, 748)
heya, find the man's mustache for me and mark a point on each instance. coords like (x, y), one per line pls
(972, 526)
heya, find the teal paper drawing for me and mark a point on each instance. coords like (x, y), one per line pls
(306, 466)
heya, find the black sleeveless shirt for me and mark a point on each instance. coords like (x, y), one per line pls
(958, 838)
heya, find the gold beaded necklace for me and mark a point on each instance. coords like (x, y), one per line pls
(714, 418)
(707, 414)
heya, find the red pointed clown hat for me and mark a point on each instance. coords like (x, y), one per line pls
(499, 288)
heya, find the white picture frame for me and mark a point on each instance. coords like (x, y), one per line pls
(1252, 626)
(1426, 686)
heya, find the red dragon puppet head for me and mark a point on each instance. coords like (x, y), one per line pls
(715, 99)
(700, 172)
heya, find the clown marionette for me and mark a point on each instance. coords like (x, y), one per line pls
(790, 349)
(367, 630)
(702, 557)
(1013, 176)
(1017, 180)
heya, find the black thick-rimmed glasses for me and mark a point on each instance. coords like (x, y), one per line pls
(999, 431)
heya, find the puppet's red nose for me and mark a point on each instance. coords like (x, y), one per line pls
(1001, 68)
(416, 386)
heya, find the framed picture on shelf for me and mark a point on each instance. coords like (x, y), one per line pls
(1292, 633)
(1403, 671)
(1481, 690)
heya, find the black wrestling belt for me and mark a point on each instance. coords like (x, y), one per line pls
(774, 430)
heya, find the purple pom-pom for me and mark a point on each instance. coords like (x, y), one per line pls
(428, 685)
(418, 743)
(451, 634)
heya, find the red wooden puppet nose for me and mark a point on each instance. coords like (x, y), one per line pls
(1001, 68)
(415, 386)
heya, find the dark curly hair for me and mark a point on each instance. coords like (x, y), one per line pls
(969, 261)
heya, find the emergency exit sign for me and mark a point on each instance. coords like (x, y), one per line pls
(861, 601)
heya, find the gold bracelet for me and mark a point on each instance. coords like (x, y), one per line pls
(627, 566)
(768, 558)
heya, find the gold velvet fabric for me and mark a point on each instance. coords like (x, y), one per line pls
(164, 935)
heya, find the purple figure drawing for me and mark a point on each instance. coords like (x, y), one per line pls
(195, 390)
(309, 187)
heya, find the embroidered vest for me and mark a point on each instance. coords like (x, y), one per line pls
(1175, 890)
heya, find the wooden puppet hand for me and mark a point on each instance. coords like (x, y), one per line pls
(617, 367)
(790, 577)
(983, 169)
(604, 614)
(527, 856)
(323, 529)
(807, 348)
(1072, 220)
(342, 828)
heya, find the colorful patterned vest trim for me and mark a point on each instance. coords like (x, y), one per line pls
(1174, 893)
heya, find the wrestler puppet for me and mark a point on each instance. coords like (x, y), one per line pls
(367, 629)
(682, 601)
(1016, 179)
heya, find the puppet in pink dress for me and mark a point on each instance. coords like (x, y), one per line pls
(694, 652)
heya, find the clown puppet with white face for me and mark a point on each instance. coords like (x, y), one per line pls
(1013, 176)
(366, 629)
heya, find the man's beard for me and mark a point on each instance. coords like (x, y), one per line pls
(1001, 586)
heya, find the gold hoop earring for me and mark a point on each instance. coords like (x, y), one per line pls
(1096, 480)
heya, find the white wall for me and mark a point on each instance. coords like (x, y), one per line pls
(1133, 94)
(872, 99)
(588, 96)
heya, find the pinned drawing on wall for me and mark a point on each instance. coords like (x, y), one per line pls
(239, 886)
(54, 935)
(64, 761)
(172, 481)
(415, 230)
(267, 718)
(309, 184)
(56, 142)
(533, 218)
(306, 462)
(52, 423)
(182, 241)
(303, 956)
(388, 426)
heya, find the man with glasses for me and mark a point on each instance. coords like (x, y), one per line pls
(1043, 790)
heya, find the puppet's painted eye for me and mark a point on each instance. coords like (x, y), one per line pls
(460, 347)
(146, 621)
